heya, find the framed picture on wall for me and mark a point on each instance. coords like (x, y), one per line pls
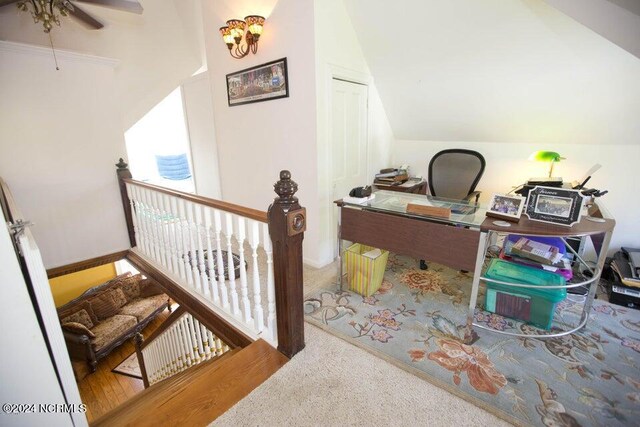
(506, 207)
(260, 83)
(554, 205)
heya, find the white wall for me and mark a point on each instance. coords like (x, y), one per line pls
(157, 49)
(198, 108)
(256, 141)
(338, 54)
(60, 136)
(507, 167)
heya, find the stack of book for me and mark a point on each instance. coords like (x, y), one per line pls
(546, 254)
(391, 176)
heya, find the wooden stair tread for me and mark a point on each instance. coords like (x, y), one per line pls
(199, 395)
(168, 382)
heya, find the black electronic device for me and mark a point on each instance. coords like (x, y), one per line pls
(361, 191)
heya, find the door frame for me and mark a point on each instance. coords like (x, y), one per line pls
(332, 72)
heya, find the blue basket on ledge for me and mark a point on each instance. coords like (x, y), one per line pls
(174, 167)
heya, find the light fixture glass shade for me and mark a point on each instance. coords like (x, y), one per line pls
(236, 26)
(226, 35)
(255, 24)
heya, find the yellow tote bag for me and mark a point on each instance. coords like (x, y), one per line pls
(363, 273)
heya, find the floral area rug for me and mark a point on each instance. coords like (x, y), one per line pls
(417, 318)
(129, 367)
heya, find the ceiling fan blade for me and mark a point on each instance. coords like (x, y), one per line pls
(125, 5)
(6, 2)
(85, 18)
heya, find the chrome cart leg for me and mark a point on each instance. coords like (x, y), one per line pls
(602, 256)
(475, 286)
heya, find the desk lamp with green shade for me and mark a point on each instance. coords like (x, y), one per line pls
(550, 157)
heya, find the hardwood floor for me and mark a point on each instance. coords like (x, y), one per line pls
(104, 390)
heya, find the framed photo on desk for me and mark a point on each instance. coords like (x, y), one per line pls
(506, 206)
(554, 205)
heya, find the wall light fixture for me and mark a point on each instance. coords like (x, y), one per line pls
(232, 34)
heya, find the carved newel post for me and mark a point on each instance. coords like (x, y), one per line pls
(287, 223)
(123, 172)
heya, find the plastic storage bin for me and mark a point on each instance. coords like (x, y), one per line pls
(535, 306)
(364, 273)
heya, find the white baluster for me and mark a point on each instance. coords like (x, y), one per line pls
(165, 248)
(201, 265)
(196, 325)
(220, 263)
(257, 300)
(194, 339)
(189, 259)
(271, 291)
(212, 273)
(212, 342)
(192, 247)
(151, 217)
(171, 234)
(205, 341)
(187, 327)
(218, 346)
(235, 307)
(244, 293)
(170, 246)
(177, 354)
(155, 363)
(184, 342)
(185, 270)
(143, 220)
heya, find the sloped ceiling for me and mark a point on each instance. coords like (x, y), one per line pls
(616, 20)
(497, 70)
(157, 50)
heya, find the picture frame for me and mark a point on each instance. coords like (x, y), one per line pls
(263, 82)
(554, 205)
(506, 206)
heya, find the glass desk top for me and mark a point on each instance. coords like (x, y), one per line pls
(462, 212)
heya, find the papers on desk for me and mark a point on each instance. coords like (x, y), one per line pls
(358, 200)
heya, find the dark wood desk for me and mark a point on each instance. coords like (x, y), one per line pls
(413, 185)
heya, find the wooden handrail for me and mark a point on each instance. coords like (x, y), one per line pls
(206, 201)
(216, 324)
(86, 264)
(164, 326)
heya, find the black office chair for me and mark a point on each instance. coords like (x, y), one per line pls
(454, 174)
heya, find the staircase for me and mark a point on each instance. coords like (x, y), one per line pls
(198, 395)
(180, 343)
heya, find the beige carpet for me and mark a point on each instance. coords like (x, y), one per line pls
(332, 382)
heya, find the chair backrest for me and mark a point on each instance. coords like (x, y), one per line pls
(175, 167)
(455, 173)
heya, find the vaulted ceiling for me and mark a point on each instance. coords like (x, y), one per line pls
(157, 49)
(497, 70)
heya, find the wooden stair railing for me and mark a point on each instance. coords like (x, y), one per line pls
(179, 238)
(180, 343)
(199, 395)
